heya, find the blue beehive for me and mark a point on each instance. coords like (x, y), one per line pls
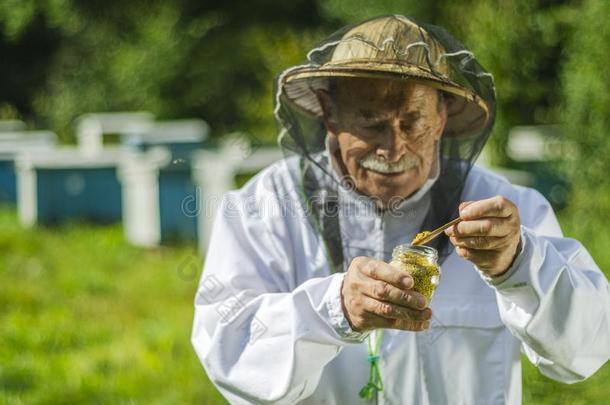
(8, 181)
(65, 184)
(11, 145)
(94, 131)
(176, 185)
(174, 182)
(180, 137)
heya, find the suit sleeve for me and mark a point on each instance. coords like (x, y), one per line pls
(261, 337)
(554, 298)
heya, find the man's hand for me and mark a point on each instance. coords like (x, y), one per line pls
(377, 295)
(489, 234)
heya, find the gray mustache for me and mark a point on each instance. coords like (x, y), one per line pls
(378, 164)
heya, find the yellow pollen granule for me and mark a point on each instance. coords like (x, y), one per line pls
(425, 274)
(419, 237)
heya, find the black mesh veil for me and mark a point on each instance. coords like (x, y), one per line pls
(397, 48)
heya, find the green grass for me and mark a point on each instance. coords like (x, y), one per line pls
(537, 389)
(86, 318)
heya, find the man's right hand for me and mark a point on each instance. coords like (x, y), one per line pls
(377, 295)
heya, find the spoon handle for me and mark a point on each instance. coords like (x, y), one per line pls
(433, 234)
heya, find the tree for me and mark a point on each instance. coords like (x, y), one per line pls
(586, 106)
(175, 59)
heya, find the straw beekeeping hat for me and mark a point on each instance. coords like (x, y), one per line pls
(397, 48)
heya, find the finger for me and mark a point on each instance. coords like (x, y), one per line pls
(465, 204)
(393, 311)
(482, 227)
(498, 206)
(382, 271)
(480, 242)
(484, 259)
(384, 291)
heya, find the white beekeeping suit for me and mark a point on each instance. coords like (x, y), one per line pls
(269, 325)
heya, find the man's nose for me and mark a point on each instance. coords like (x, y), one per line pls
(392, 144)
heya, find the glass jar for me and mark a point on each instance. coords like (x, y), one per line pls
(421, 262)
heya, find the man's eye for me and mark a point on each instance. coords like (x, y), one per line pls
(406, 126)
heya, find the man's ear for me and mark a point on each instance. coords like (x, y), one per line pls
(329, 115)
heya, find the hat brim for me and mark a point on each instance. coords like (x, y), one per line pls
(467, 115)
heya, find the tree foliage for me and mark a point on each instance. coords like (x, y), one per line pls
(585, 112)
(175, 59)
(217, 60)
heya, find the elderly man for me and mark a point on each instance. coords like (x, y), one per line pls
(297, 303)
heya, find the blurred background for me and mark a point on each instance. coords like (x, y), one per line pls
(121, 123)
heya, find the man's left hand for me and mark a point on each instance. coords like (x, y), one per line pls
(489, 234)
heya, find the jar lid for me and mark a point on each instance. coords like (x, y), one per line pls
(426, 251)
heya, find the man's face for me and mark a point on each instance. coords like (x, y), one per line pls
(387, 133)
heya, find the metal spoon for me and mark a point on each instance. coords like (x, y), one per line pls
(426, 236)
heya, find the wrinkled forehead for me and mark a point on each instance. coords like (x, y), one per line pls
(351, 93)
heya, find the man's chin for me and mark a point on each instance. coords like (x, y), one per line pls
(390, 187)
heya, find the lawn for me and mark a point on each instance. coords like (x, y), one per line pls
(86, 318)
